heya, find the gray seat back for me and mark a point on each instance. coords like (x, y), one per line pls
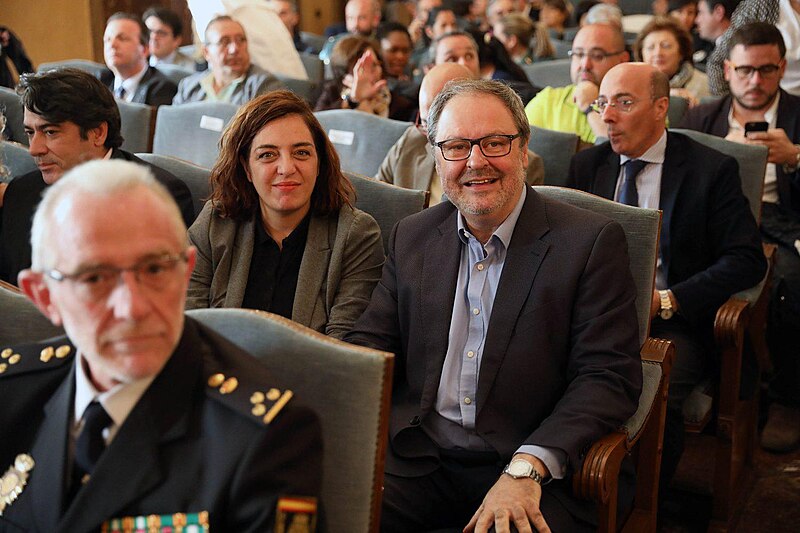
(92, 67)
(16, 159)
(386, 203)
(556, 149)
(313, 40)
(20, 321)
(361, 139)
(348, 386)
(192, 131)
(306, 89)
(752, 164)
(549, 73)
(137, 126)
(175, 73)
(314, 66)
(195, 177)
(677, 108)
(11, 107)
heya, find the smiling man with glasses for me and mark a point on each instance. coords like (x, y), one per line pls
(595, 50)
(512, 317)
(754, 69)
(139, 413)
(709, 247)
(231, 76)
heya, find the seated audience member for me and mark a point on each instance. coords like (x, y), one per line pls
(287, 12)
(554, 16)
(605, 13)
(685, 13)
(709, 247)
(664, 44)
(12, 53)
(359, 82)
(165, 28)
(581, 10)
(396, 49)
(753, 70)
(125, 47)
(475, 17)
(361, 17)
(410, 163)
(596, 48)
(280, 232)
(496, 64)
(231, 76)
(497, 9)
(524, 288)
(139, 412)
(70, 117)
(441, 21)
(525, 41)
(416, 28)
(713, 20)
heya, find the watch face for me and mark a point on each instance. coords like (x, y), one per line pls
(519, 469)
(666, 314)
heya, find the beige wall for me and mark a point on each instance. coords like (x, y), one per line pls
(51, 30)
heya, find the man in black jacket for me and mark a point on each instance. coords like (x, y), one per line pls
(70, 117)
(754, 69)
(709, 248)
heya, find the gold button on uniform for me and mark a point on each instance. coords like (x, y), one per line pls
(229, 386)
(259, 409)
(63, 351)
(467, 400)
(14, 359)
(476, 311)
(480, 267)
(470, 354)
(47, 354)
(273, 394)
(5, 354)
(216, 380)
(257, 397)
(3, 367)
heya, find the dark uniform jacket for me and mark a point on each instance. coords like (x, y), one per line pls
(23, 195)
(193, 444)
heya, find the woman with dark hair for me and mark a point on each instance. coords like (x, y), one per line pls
(496, 64)
(666, 45)
(279, 232)
(359, 82)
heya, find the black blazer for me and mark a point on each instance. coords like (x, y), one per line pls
(154, 88)
(712, 118)
(561, 363)
(184, 447)
(23, 195)
(710, 245)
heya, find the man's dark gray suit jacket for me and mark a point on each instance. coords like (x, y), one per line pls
(710, 245)
(561, 363)
(154, 88)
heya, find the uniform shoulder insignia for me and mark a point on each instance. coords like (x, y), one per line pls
(259, 403)
(34, 357)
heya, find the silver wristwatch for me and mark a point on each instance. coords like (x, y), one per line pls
(519, 468)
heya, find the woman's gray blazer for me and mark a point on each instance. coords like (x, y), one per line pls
(341, 264)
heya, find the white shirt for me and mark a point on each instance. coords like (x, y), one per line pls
(770, 193)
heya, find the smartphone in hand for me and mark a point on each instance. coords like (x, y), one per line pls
(755, 126)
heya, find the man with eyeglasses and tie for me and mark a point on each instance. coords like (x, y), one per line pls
(140, 418)
(709, 247)
(753, 70)
(231, 76)
(595, 50)
(513, 322)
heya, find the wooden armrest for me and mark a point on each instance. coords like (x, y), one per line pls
(598, 476)
(8, 286)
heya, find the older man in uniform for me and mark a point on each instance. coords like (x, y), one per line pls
(140, 415)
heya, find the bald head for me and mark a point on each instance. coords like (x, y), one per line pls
(435, 79)
(637, 95)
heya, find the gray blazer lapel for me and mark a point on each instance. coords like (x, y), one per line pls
(313, 268)
(523, 259)
(438, 287)
(48, 479)
(239, 268)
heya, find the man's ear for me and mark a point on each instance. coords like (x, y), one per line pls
(99, 134)
(35, 288)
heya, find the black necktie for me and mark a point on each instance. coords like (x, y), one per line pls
(90, 443)
(628, 193)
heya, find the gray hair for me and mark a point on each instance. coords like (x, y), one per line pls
(605, 14)
(499, 90)
(103, 178)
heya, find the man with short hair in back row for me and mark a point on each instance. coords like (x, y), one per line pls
(231, 77)
(595, 50)
(709, 247)
(69, 117)
(126, 43)
(166, 28)
(754, 68)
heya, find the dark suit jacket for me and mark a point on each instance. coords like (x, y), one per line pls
(184, 448)
(710, 246)
(561, 363)
(154, 88)
(712, 118)
(23, 195)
